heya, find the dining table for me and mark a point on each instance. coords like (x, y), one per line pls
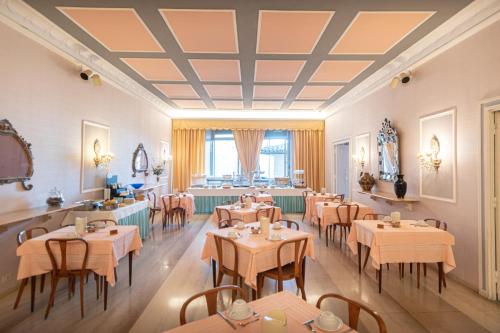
(247, 215)
(311, 214)
(411, 242)
(256, 254)
(296, 309)
(104, 251)
(327, 213)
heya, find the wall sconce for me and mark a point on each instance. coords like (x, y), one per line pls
(403, 78)
(359, 159)
(430, 159)
(101, 160)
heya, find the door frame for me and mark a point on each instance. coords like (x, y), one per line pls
(488, 275)
(334, 165)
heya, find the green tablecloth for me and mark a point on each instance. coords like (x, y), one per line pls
(288, 204)
(141, 219)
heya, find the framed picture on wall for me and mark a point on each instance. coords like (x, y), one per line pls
(438, 156)
(95, 143)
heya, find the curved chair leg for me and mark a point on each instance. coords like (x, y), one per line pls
(24, 282)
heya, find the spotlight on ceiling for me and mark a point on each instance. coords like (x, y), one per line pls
(96, 80)
(85, 74)
(403, 77)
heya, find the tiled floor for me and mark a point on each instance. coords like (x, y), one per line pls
(169, 270)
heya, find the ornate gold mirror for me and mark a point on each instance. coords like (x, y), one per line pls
(16, 160)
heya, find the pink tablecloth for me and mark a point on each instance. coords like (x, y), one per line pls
(408, 244)
(328, 214)
(248, 215)
(104, 251)
(261, 197)
(256, 254)
(187, 202)
(297, 312)
(311, 200)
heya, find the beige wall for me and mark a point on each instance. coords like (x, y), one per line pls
(461, 77)
(43, 97)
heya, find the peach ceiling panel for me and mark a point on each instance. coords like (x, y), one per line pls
(339, 70)
(277, 70)
(203, 31)
(290, 32)
(229, 105)
(270, 92)
(217, 70)
(117, 29)
(224, 91)
(305, 105)
(190, 103)
(378, 32)
(177, 90)
(267, 105)
(318, 92)
(155, 69)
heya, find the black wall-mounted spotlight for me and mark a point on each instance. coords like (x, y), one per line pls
(85, 75)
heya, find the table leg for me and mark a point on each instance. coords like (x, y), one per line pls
(304, 270)
(130, 255)
(214, 267)
(33, 290)
(319, 227)
(440, 275)
(359, 258)
(380, 279)
(105, 294)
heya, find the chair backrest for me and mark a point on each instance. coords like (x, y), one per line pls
(352, 211)
(224, 218)
(152, 199)
(267, 212)
(354, 310)
(339, 198)
(437, 223)
(106, 221)
(219, 244)
(169, 201)
(269, 202)
(253, 197)
(304, 196)
(27, 234)
(290, 224)
(211, 299)
(373, 216)
(62, 269)
(299, 247)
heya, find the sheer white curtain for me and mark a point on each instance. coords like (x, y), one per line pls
(248, 143)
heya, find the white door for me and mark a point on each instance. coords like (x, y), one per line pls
(497, 196)
(342, 157)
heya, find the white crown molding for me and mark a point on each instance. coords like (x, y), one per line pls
(464, 24)
(28, 21)
(247, 114)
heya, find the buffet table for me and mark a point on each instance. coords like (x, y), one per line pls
(134, 214)
(289, 199)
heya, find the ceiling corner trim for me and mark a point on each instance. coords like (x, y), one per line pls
(29, 22)
(462, 25)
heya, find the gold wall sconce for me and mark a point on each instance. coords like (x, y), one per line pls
(430, 159)
(101, 160)
(359, 159)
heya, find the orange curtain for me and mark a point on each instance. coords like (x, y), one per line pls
(309, 155)
(188, 149)
(248, 143)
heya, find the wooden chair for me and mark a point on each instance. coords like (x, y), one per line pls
(173, 210)
(344, 223)
(224, 218)
(265, 212)
(211, 299)
(269, 202)
(290, 224)
(438, 225)
(222, 269)
(374, 216)
(354, 310)
(23, 236)
(60, 270)
(293, 270)
(154, 208)
(304, 196)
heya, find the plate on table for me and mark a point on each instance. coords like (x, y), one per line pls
(276, 239)
(338, 325)
(278, 228)
(240, 227)
(240, 316)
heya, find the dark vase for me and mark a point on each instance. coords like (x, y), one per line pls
(400, 187)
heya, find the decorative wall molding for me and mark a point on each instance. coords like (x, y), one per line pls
(464, 24)
(31, 23)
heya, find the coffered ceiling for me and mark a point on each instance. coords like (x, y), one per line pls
(248, 55)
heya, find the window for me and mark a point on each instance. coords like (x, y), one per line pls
(221, 156)
(274, 159)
